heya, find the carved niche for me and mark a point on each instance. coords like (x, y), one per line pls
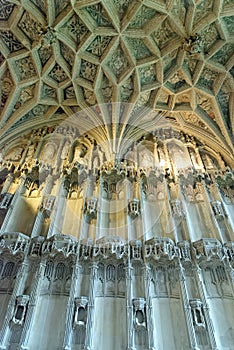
(134, 208)
(197, 313)
(218, 209)
(139, 312)
(177, 208)
(20, 309)
(90, 208)
(47, 205)
(80, 312)
(5, 200)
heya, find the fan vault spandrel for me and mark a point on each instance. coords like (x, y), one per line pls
(174, 56)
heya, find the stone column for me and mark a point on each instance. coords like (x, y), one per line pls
(7, 184)
(133, 216)
(103, 215)
(149, 308)
(90, 314)
(13, 207)
(208, 319)
(199, 160)
(187, 310)
(85, 223)
(32, 305)
(215, 220)
(70, 307)
(58, 215)
(39, 147)
(129, 306)
(20, 279)
(59, 153)
(222, 218)
(36, 231)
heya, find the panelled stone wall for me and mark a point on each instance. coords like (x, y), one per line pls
(134, 251)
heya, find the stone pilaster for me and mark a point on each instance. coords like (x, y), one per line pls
(70, 307)
(149, 308)
(129, 306)
(18, 289)
(90, 315)
(208, 319)
(14, 205)
(187, 310)
(32, 305)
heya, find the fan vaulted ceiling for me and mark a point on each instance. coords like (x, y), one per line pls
(150, 59)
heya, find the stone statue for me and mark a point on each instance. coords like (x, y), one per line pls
(15, 154)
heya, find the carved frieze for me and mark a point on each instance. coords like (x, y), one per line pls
(60, 244)
(208, 249)
(15, 243)
(161, 248)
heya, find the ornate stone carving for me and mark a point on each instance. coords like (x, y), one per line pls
(164, 34)
(136, 252)
(208, 249)
(12, 43)
(193, 44)
(139, 49)
(177, 209)
(5, 200)
(218, 209)
(47, 205)
(99, 15)
(185, 250)
(118, 63)
(75, 28)
(31, 27)
(122, 6)
(7, 85)
(58, 74)
(110, 247)
(91, 208)
(15, 243)
(88, 70)
(35, 247)
(25, 68)
(99, 45)
(14, 154)
(147, 74)
(143, 15)
(60, 244)
(45, 52)
(6, 9)
(161, 248)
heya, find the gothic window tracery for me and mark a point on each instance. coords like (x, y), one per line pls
(8, 270)
(59, 271)
(49, 270)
